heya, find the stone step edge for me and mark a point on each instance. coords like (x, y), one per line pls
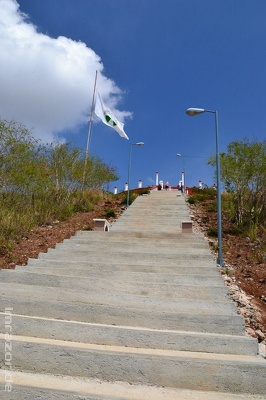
(190, 320)
(153, 235)
(230, 358)
(171, 252)
(210, 263)
(222, 294)
(56, 269)
(114, 235)
(101, 333)
(91, 280)
(118, 390)
(126, 327)
(136, 244)
(98, 275)
(65, 254)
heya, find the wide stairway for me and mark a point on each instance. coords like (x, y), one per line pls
(139, 312)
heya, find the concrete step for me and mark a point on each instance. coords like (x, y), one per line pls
(86, 268)
(173, 209)
(157, 202)
(173, 369)
(146, 230)
(147, 296)
(152, 235)
(190, 289)
(122, 248)
(30, 276)
(135, 243)
(130, 257)
(114, 237)
(152, 204)
(170, 210)
(142, 220)
(166, 264)
(155, 205)
(153, 238)
(186, 317)
(33, 386)
(166, 217)
(138, 337)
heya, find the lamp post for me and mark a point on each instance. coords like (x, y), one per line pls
(192, 112)
(129, 166)
(183, 173)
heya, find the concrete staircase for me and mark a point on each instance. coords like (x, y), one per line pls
(139, 312)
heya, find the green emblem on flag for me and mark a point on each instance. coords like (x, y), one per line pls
(109, 120)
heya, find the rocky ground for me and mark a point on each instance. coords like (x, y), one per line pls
(245, 260)
(244, 268)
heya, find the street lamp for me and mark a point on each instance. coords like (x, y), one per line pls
(183, 173)
(129, 166)
(192, 112)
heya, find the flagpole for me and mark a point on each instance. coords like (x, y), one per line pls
(90, 127)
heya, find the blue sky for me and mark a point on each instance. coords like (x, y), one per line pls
(156, 59)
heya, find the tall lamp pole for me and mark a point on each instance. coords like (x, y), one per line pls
(183, 173)
(196, 111)
(129, 166)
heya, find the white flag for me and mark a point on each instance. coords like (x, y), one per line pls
(107, 117)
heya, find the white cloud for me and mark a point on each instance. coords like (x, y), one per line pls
(46, 83)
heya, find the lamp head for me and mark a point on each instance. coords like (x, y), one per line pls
(179, 155)
(194, 111)
(139, 144)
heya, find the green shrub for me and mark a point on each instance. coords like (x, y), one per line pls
(191, 200)
(88, 228)
(204, 194)
(132, 197)
(195, 198)
(212, 207)
(212, 232)
(253, 231)
(234, 230)
(110, 213)
(82, 204)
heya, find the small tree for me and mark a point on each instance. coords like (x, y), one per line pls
(243, 171)
(18, 157)
(99, 174)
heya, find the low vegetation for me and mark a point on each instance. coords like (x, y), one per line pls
(43, 183)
